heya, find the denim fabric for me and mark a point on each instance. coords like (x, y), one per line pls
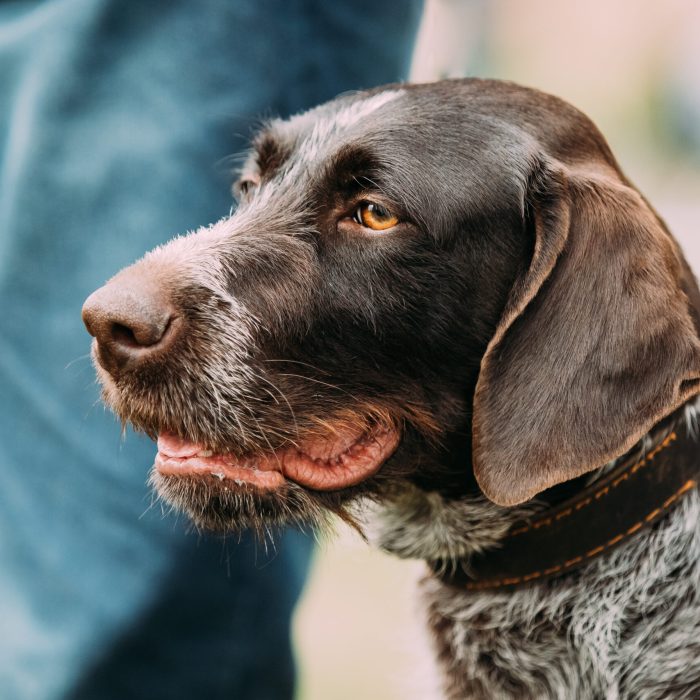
(116, 117)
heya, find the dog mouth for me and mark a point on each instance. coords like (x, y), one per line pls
(328, 463)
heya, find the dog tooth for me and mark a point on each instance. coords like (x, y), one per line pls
(218, 475)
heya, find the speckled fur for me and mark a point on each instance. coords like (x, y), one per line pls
(624, 627)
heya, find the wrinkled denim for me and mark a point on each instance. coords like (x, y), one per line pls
(116, 120)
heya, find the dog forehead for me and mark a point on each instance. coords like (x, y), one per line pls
(317, 132)
(453, 124)
(467, 144)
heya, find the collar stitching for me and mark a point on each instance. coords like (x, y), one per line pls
(654, 515)
(545, 522)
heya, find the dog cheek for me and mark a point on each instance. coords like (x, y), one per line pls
(278, 283)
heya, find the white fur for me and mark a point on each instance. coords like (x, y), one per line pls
(328, 126)
(625, 627)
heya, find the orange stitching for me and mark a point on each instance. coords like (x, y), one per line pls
(634, 528)
(652, 515)
(599, 494)
(620, 479)
(688, 486)
(552, 570)
(668, 501)
(641, 464)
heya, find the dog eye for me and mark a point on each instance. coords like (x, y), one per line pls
(375, 216)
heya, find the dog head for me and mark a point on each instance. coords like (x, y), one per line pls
(448, 284)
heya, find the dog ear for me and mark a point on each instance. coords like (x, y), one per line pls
(595, 345)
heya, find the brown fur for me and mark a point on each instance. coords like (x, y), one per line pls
(528, 320)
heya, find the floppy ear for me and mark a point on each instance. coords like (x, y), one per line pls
(596, 343)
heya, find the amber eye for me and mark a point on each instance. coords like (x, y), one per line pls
(375, 216)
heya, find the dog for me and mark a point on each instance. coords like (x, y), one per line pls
(448, 300)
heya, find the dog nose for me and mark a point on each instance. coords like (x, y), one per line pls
(130, 321)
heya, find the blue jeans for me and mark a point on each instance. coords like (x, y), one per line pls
(116, 117)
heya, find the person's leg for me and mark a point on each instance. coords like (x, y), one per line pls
(116, 117)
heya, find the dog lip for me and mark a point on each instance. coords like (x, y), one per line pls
(179, 457)
(217, 469)
(170, 445)
(323, 464)
(359, 460)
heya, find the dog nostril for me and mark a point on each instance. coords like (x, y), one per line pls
(130, 323)
(123, 334)
(139, 334)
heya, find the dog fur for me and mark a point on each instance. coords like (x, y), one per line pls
(579, 636)
(527, 320)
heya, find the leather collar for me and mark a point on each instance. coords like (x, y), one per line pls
(630, 498)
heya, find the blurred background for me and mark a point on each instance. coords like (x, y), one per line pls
(634, 67)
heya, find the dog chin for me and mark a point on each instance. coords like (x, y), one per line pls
(220, 507)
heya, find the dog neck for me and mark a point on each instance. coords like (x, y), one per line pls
(475, 544)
